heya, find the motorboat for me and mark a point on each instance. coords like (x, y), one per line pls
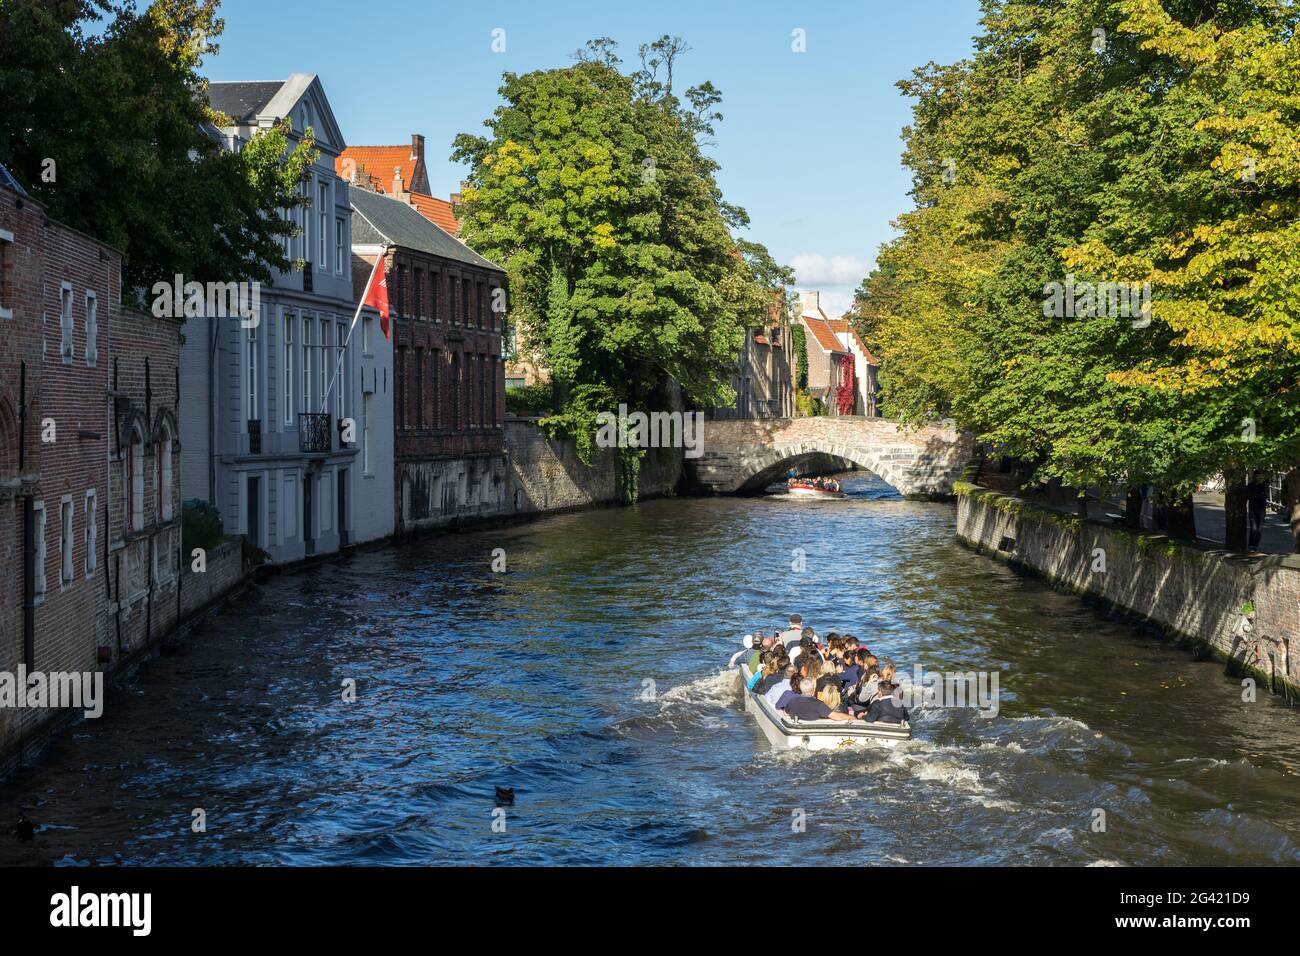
(787, 733)
(799, 488)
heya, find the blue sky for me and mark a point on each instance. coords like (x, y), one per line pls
(809, 144)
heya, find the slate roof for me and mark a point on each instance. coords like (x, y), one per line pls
(242, 100)
(8, 181)
(380, 219)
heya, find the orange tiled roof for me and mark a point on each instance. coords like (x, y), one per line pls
(437, 211)
(379, 162)
(821, 331)
(842, 325)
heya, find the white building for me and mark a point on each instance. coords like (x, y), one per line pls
(262, 406)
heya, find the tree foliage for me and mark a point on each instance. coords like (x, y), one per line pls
(592, 189)
(104, 123)
(1103, 141)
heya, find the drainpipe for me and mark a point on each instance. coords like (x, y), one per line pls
(212, 408)
(29, 534)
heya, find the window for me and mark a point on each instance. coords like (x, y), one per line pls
(435, 360)
(65, 321)
(6, 303)
(482, 390)
(401, 290)
(163, 473)
(455, 385)
(451, 300)
(464, 302)
(92, 532)
(339, 236)
(322, 223)
(365, 433)
(481, 302)
(135, 481)
(326, 362)
(38, 521)
(66, 572)
(289, 322)
(400, 368)
(367, 333)
(306, 363)
(341, 371)
(251, 374)
(418, 374)
(324, 488)
(289, 508)
(434, 290)
(92, 329)
(418, 311)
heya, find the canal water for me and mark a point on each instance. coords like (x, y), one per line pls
(588, 679)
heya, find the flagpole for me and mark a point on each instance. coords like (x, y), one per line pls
(361, 303)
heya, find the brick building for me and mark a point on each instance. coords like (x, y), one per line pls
(144, 488)
(841, 371)
(59, 296)
(449, 388)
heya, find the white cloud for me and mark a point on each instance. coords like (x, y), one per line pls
(815, 270)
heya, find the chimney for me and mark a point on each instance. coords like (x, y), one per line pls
(417, 148)
(397, 191)
(811, 303)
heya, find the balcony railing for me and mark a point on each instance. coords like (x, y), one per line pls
(254, 436)
(314, 432)
(306, 277)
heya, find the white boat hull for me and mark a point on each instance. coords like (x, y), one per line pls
(813, 493)
(787, 733)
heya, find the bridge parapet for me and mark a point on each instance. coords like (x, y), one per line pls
(746, 456)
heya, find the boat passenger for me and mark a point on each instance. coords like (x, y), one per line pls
(805, 706)
(782, 685)
(852, 672)
(886, 708)
(761, 643)
(792, 633)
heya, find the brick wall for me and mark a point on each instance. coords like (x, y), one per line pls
(1197, 595)
(65, 445)
(224, 572)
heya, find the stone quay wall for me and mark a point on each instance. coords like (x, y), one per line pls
(1241, 610)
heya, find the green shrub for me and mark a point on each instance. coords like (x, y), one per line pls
(529, 400)
(200, 526)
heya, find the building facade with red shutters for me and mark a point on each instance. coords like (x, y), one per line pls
(448, 397)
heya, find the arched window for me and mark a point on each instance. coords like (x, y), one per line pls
(163, 472)
(135, 481)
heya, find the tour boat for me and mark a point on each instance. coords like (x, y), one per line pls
(787, 733)
(802, 489)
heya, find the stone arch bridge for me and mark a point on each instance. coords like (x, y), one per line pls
(744, 457)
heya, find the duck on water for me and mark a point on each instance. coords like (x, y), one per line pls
(819, 694)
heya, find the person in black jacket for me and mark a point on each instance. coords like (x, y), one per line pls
(1257, 504)
(886, 709)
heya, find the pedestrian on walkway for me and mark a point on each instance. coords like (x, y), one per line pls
(1257, 504)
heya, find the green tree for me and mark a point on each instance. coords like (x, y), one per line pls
(106, 128)
(592, 190)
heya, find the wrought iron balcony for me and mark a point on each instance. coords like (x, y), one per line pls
(254, 436)
(314, 432)
(306, 277)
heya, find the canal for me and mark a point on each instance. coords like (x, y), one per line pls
(588, 679)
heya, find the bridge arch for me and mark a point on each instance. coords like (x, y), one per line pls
(743, 457)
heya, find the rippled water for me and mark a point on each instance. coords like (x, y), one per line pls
(536, 680)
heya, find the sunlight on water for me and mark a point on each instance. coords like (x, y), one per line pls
(588, 679)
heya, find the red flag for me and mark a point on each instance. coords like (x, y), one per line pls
(377, 294)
